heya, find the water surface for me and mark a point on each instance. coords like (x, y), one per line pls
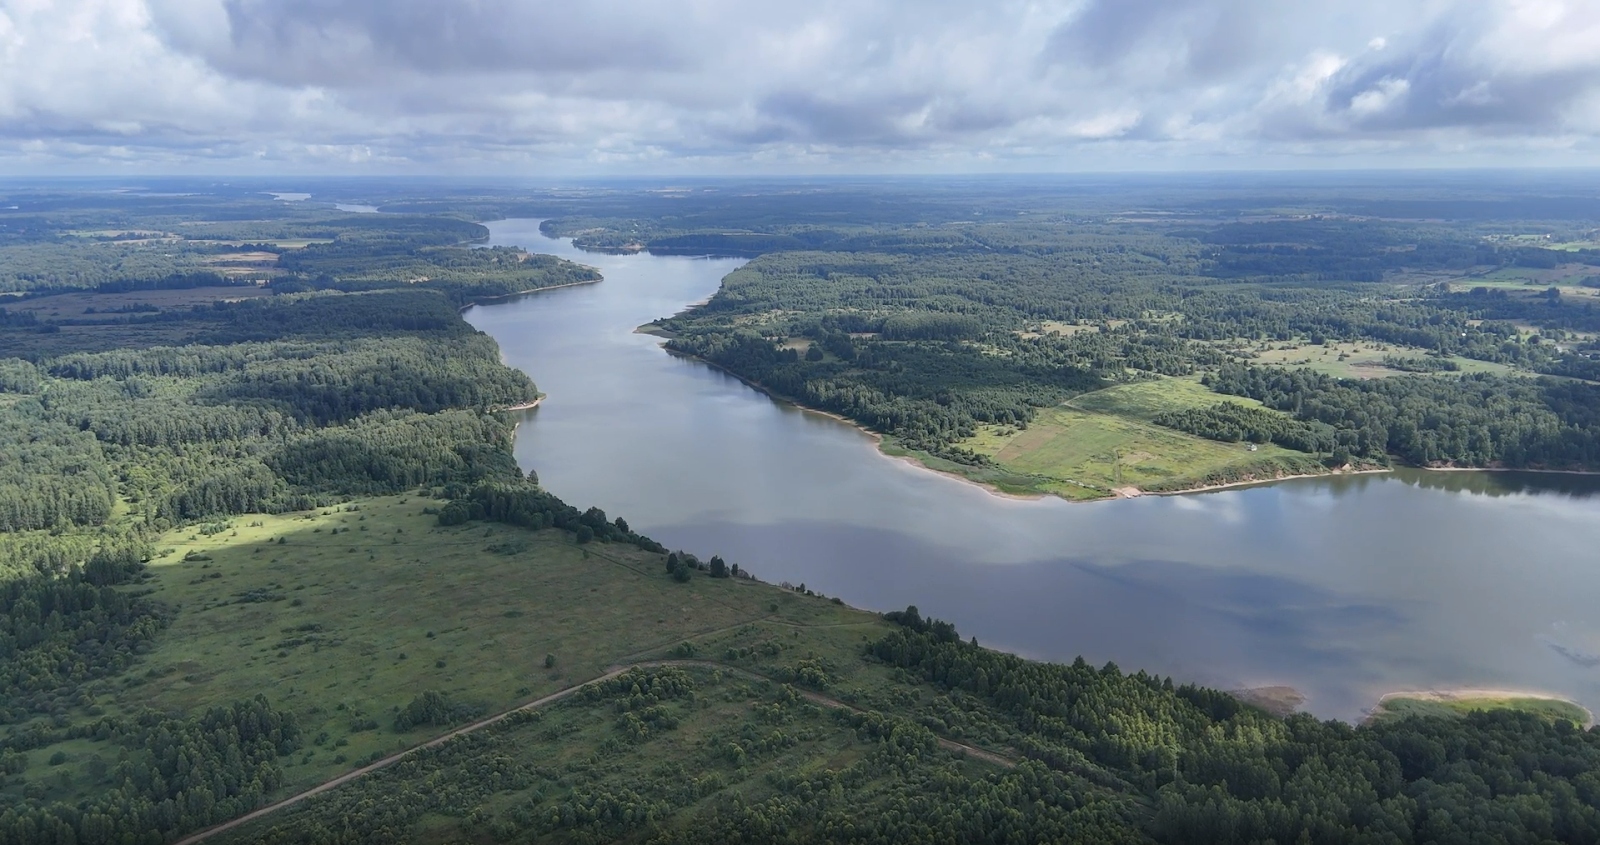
(1344, 588)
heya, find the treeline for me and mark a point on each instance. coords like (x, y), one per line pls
(58, 632)
(1231, 422)
(1473, 420)
(1218, 771)
(927, 395)
(528, 505)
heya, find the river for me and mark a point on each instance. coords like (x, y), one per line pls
(1343, 588)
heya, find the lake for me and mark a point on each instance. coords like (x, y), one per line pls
(1343, 587)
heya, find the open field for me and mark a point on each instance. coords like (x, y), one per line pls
(1568, 277)
(1056, 327)
(105, 306)
(1103, 442)
(1355, 359)
(286, 243)
(1144, 400)
(1459, 703)
(337, 622)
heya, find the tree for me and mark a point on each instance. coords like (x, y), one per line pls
(719, 568)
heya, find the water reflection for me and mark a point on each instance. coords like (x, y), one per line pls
(1343, 587)
(1508, 483)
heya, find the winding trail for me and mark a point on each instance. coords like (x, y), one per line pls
(614, 671)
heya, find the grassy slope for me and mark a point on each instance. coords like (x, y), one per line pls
(340, 610)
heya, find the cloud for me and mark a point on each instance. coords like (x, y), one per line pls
(728, 84)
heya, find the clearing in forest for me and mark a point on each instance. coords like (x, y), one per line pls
(1356, 359)
(1104, 441)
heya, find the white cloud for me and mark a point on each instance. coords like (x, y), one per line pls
(835, 84)
(1380, 97)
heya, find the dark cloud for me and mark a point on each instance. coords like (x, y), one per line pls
(1439, 83)
(1204, 37)
(321, 42)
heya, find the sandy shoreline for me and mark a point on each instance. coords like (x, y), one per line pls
(524, 406)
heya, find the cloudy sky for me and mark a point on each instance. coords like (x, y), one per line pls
(751, 86)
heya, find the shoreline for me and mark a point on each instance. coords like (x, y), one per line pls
(1116, 494)
(489, 300)
(1447, 695)
(522, 406)
(909, 458)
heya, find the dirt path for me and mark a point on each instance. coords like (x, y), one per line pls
(975, 753)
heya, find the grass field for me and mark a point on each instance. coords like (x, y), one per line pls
(362, 607)
(1355, 359)
(1552, 709)
(1102, 442)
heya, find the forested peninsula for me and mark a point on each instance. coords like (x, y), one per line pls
(260, 525)
(984, 349)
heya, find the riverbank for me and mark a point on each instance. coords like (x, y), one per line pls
(999, 482)
(489, 300)
(523, 406)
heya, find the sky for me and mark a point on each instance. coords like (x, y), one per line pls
(732, 87)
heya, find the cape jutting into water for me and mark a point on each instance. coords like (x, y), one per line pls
(1344, 588)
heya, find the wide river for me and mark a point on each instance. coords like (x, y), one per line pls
(1344, 588)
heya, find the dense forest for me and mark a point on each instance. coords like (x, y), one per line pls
(292, 398)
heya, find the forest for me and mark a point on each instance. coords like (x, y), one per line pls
(925, 339)
(277, 474)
